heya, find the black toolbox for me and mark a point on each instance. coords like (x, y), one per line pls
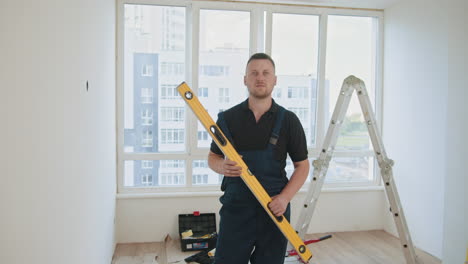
(201, 225)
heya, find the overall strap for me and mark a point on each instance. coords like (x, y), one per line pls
(277, 127)
(223, 125)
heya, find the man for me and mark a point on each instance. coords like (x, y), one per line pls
(263, 133)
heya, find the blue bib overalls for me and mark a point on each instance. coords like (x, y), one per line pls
(246, 231)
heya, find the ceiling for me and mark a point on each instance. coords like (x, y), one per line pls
(373, 4)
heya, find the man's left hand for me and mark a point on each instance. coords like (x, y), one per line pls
(278, 205)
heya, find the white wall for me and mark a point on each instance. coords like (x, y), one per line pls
(151, 219)
(415, 114)
(57, 174)
(425, 121)
(455, 241)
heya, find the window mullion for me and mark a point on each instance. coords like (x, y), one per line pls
(192, 124)
(120, 95)
(322, 124)
(257, 32)
(378, 86)
(189, 171)
(269, 30)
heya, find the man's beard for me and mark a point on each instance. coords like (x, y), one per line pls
(260, 95)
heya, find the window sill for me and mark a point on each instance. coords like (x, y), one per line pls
(122, 196)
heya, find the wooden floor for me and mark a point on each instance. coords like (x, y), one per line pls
(364, 247)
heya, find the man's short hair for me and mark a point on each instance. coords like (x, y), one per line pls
(261, 56)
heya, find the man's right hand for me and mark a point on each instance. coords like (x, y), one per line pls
(229, 168)
(223, 166)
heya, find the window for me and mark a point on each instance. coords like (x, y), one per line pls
(295, 48)
(223, 95)
(200, 164)
(214, 70)
(203, 135)
(146, 95)
(354, 162)
(147, 179)
(172, 68)
(298, 92)
(147, 70)
(223, 49)
(154, 173)
(175, 114)
(146, 164)
(172, 136)
(203, 92)
(147, 117)
(169, 91)
(302, 113)
(172, 164)
(276, 93)
(200, 179)
(350, 169)
(203, 175)
(147, 139)
(164, 68)
(172, 178)
(161, 44)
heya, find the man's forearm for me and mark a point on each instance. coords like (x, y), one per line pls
(215, 162)
(299, 176)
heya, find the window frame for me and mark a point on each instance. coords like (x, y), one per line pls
(260, 41)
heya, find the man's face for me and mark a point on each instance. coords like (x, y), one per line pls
(260, 78)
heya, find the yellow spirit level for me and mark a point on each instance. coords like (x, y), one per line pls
(250, 180)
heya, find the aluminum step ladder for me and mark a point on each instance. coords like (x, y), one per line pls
(321, 164)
